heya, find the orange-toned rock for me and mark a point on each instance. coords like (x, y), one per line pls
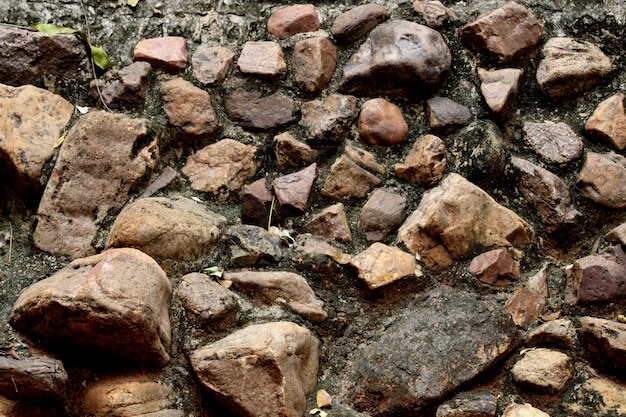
(381, 123)
(608, 122)
(297, 18)
(168, 53)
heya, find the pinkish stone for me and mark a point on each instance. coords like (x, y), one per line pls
(383, 213)
(494, 267)
(255, 203)
(314, 61)
(189, 108)
(263, 58)
(602, 179)
(331, 223)
(290, 152)
(297, 18)
(527, 303)
(602, 277)
(292, 191)
(168, 53)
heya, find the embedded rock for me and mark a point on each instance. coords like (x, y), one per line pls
(206, 302)
(499, 89)
(329, 120)
(263, 370)
(115, 303)
(605, 342)
(508, 32)
(608, 122)
(523, 410)
(189, 108)
(32, 378)
(559, 333)
(330, 223)
(347, 180)
(554, 143)
(297, 18)
(250, 245)
(527, 303)
(31, 121)
(175, 228)
(316, 253)
(570, 67)
(382, 214)
(211, 64)
(291, 153)
(168, 53)
(313, 61)
(353, 24)
(269, 287)
(601, 179)
(494, 267)
(263, 58)
(447, 115)
(380, 265)
(544, 370)
(437, 353)
(426, 162)
(399, 58)
(293, 190)
(250, 110)
(434, 13)
(617, 235)
(255, 203)
(381, 123)
(601, 277)
(609, 399)
(470, 404)
(225, 164)
(87, 183)
(364, 158)
(125, 87)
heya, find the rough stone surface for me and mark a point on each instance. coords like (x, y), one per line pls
(446, 115)
(600, 278)
(31, 121)
(255, 203)
(211, 64)
(542, 369)
(347, 180)
(87, 183)
(399, 58)
(353, 24)
(570, 67)
(126, 87)
(558, 333)
(483, 223)
(250, 245)
(617, 235)
(527, 303)
(331, 223)
(115, 303)
(329, 120)
(554, 143)
(293, 190)
(206, 301)
(130, 395)
(426, 162)
(448, 328)
(608, 122)
(263, 370)
(601, 179)
(269, 287)
(314, 253)
(263, 58)
(189, 108)
(290, 20)
(495, 267)
(37, 377)
(605, 342)
(547, 192)
(175, 228)
(507, 32)
(250, 110)
(499, 89)
(291, 153)
(168, 53)
(609, 399)
(382, 214)
(471, 404)
(313, 61)
(381, 123)
(227, 163)
(380, 265)
(434, 13)
(364, 158)
(523, 410)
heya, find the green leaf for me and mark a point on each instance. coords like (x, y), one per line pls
(52, 29)
(100, 57)
(133, 3)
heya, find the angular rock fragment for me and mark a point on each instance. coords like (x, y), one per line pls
(175, 228)
(32, 378)
(470, 404)
(32, 120)
(601, 179)
(297, 18)
(426, 162)
(125, 87)
(554, 143)
(268, 287)
(597, 397)
(617, 235)
(381, 123)
(446, 115)
(548, 194)
(189, 108)
(527, 303)
(382, 214)
(329, 120)
(291, 153)
(261, 370)
(115, 304)
(313, 61)
(347, 180)
(495, 267)
(211, 64)
(604, 342)
(330, 223)
(315, 253)
(249, 110)
(433, 12)
(570, 67)
(380, 265)
(256, 203)
(353, 24)
(263, 58)
(102, 157)
(399, 58)
(252, 244)
(129, 395)
(207, 302)
(226, 164)
(499, 89)
(523, 410)
(601, 277)
(608, 122)
(463, 219)
(508, 32)
(425, 354)
(543, 369)
(364, 158)
(293, 190)
(168, 53)
(559, 333)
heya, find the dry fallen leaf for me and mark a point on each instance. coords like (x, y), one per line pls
(323, 399)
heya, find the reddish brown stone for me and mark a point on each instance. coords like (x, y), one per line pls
(206, 302)
(329, 120)
(600, 278)
(168, 53)
(125, 87)
(262, 58)
(605, 342)
(494, 267)
(602, 179)
(508, 32)
(381, 123)
(37, 377)
(255, 203)
(292, 191)
(290, 152)
(347, 180)
(331, 223)
(313, 62)
(250, 110)
(608, 122)
(433, 12)
(527, 303)
(383, 213)
(446, 115)
(352, 25)
(298, 18)
(189, 108)
(364, 158)
(426, 162)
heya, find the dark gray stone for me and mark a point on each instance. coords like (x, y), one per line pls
(250, 245)
(250, 110)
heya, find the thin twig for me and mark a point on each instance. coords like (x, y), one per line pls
(269, 221)
(14, 384)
